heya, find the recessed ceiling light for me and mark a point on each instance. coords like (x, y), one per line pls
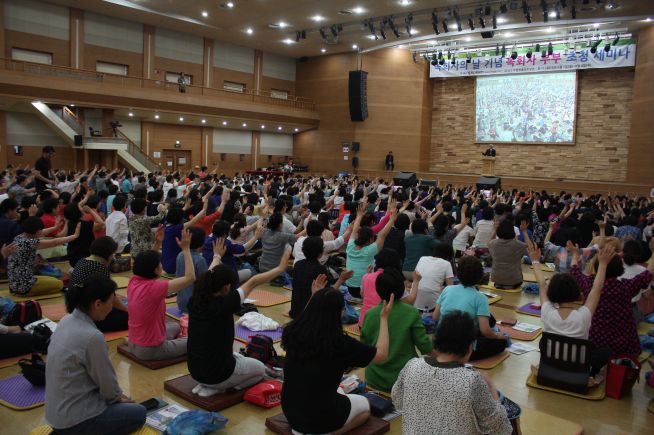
(596, 25)
(354, 46)
(415, 31)
(323, 50)
(370, 36)
(358, 10)
(501, 20)
(245, 124)
(549, 30)
(71, 105)
(249, 30)
(405, 2)
(156, 116)
(468, 38)
(296, 130)
(552, 14)
(229, 5)
(224, 122)
(205, 14)
(130, 114)
(181, 119)
(507, 34)
(279, 127)
(648, 20)
(204, 121)
(401, 46)
(318, 18)
(263, 126)
(282, 25)
(288, 41)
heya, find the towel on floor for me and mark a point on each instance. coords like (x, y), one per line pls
(257, 322)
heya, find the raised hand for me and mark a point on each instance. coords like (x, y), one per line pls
(219, 247)
(387, 307)
(606, 254)
(319, 283)
(185, 242)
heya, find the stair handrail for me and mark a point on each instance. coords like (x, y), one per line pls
(71, 120)
(138, 153)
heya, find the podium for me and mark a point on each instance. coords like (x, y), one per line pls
(488, 166)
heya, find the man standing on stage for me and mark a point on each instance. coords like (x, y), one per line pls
(389, 163)
(490, 152)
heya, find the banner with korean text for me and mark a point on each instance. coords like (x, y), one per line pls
(562, 59)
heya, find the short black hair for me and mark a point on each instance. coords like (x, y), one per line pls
(402, 222)
(364, 236)
(175, 215)
(470, 270)
(563, 288)
(388, 258)
(146, 263)
(391, 281)
(197, 237)
(119, 202)
(505, 230)
(615, 268)
(138, 205)
(220, 229)
(72, 212)
(103, 247)
(8, 205)
(274, 221)
(32, 225)
(313, 247)
(487, 214)
(315, 228)
(419, 226)
(455, 333)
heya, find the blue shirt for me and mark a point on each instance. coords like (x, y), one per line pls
(344, 223)
(8, 230)
(126, 186)
(466, 299)
(110, 203)
(200, 267)
(170, 248)
(227, 259)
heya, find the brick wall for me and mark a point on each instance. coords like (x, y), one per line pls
(602, 137)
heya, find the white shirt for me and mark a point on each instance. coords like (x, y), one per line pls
(483, 232)
(117, 229)
(329, 246)
(460, 242)
(434, 272)
(631, 272)
(288, 226)
(576, 325)
(166, 187)
(67, 186)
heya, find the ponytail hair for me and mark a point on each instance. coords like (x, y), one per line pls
(94, 287)
(239, 223)
(210, 283)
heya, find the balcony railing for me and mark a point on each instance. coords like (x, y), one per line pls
(263, 97)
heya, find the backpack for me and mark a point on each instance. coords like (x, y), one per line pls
(33, 369)
(261, 347)
(41, 338)
(24, 313)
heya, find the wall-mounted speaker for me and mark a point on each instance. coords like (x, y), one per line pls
(358, 92)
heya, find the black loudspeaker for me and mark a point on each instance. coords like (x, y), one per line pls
(486, 183)
(405, 179)
(358, 90)
(355, 162)
(356, 147)
(79, 140)
(431, 183)
(487, 34)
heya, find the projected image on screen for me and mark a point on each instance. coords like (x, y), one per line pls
(526, 108)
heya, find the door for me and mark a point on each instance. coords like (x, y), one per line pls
(177, 160)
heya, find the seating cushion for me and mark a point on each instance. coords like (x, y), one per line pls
(152, 365)
(184, 385)
(374, 426)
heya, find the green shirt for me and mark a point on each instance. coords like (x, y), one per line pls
(406, 333)
(416, 246)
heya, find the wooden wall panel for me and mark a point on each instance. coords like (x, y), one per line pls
(62, 159)
(58, 47)
(163, 65)
(220, 75)
(3, 136)
(268, 83)
(159, 137)
(640, 166)
(95, 53)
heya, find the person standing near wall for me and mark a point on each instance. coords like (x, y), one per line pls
(390, 162)
(44, 165)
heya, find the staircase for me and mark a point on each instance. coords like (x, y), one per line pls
(66, 125)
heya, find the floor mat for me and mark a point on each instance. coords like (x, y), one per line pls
(116, 335)
(528, 310)
(47, 430)
(491, 287)
(243, 334)
(183, 386)
(121, 281)
(5, 294)
(373, 426)
(8, 362)
(54, 312)
(174, 312)
(152, 365)
(490, 362)
(595, 393)
(18, 394)
(521, 335)
(264, 298)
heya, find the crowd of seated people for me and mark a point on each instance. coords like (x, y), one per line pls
(403, 253)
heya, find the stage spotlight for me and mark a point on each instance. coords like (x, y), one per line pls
(441, 62)
(457, 18)
(440, 55)
(323, 34)
(482, 23)
(469, 58)
(550, 49)
(382, 25)
(543, 7)
(334, 30)
(413, 55)
(434, 22)
(573, 12)
(529, 53)
(407, 24)
(503, 8)
(297, 36)
(543, 54)
(593, 48)
(497, 49)
(503, 50)
(445, 29)
(537, 48)
(371, 27)
(449, 54)
(304, 34)
(616, 40)
(607, 45)
(557, 11)
(391, 23)
(471, 24)
(528, 16)
(514, 55)
(494, 21)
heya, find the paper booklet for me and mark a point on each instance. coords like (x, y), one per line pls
(160, 419)
(526, 327)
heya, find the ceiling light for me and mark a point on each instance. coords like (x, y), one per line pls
(229, 5)
(279, 128)
(552, 14)
(354, 46)
(501, 20)
(596, 25)
(371, 37)
(263, 126)
(358, 10)
(71, 105)
(181, 119)
(401, 46)
(323, 50)
(508, 35)
(249, 30)
(549, 30)
(245, 124)
(415, 31)
(224, 122)
(318, 18)
(288, 41)
(468, 38)
(205, 14)
(156, 116)
(647, 20)
(282, 25)
(204, 121)
(130, 114)
(405, 2)
(296, 130)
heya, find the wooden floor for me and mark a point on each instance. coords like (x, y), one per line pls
(543, 412)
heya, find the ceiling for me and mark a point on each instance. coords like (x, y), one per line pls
(231, 24)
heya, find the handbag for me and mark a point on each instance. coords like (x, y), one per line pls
(33, 370)
(622, 374)
(121, 264)
(379, 406)
(24, 313)
(41, 338)
(266, 394)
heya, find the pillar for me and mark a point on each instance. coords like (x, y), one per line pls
(148, 51)
(76, 40)
(255, 151)
(207, 65)
(258, 70)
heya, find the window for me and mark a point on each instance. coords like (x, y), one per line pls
(173, 77)
(31, 56)
(278, 93)
(233, 86)
(111, 68)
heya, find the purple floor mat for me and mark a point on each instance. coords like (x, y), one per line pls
(19, 393)
(529, 310)
(174, 311)
(244, 333)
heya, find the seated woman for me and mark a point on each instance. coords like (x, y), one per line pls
(417, 245)
(221, 230)
(211, 359)
(22, 263)
(465, 297)
(172, 231)
(613, 323)
(150, 336)
(102, 252)
(436, 272)
(79, 248)
(460, 400)
(82, 394)
(408, 332)
(635, 255)
(199, 264)
(273, 242)
(559, 312)
(318, 350)
(362, 248)
(507, 253)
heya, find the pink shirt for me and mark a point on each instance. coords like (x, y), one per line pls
(369, 293)
(147, 310)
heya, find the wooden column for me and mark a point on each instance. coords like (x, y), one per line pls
(148, 51)
(4, 148)
(207, 66)
(107, 118)
(114, 160)
(74, 159)
(258, 70)
(86, 159)
(76, 41)
(640, 160)
(206, 147)
(255, 151)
